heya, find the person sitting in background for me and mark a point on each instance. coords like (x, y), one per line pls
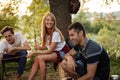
(87, 60)
(53, 40)
(14, 45)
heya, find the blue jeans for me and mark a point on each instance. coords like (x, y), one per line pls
(21, 60)
(80, 69)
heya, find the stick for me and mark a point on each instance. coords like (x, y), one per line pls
(35, 36)
(14, 57)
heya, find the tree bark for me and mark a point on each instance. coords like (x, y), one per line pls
(60, 8)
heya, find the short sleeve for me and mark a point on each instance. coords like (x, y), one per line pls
(22, 38)
(56, 37)
(93, 54)
(2, 46)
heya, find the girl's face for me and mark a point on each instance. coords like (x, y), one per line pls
(49, 22)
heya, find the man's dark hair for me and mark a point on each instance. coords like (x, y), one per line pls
(77, 26)
(7, 28)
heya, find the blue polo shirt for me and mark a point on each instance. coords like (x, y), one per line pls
(93, 53)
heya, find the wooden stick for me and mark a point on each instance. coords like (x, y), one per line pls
(14, 57)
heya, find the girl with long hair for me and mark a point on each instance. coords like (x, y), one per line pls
(53, 40)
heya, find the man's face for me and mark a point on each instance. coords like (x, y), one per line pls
(74, 36)
(9, 37)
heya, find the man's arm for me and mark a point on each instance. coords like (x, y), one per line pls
(70, 64)
(25, 46)
(13, 50)
(91, 70)
(72, 52)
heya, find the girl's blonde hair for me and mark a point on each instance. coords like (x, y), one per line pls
(44, 29)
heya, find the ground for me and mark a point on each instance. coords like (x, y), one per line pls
(51, 74)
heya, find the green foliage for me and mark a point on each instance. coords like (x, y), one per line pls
(91, 26)
(81, 17)
(8, 14)
(109, 37)
(31, 24)
(10, 8)
(10, 21)
(115, 64)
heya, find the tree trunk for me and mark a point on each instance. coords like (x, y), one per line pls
(60, 8)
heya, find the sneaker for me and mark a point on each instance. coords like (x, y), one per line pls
(48, 65)
(19, 77)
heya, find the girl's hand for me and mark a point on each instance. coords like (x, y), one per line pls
(37, 46)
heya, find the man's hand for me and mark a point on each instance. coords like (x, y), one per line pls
(11, 51)
(26, 46)
(71, 63)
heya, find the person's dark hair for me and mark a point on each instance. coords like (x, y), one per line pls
(7, 28)
(77, 26)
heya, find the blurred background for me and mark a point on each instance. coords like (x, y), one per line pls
(100, 18)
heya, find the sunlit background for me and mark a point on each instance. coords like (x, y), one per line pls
(102, 6)
(90, 5)
(101, 19)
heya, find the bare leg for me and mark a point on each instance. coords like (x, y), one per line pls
(34, 69)
(42, 65)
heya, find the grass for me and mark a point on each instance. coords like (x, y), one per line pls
(53, 75)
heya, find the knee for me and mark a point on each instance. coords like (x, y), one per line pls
(40, 59)
(36, 60)
(23, 52)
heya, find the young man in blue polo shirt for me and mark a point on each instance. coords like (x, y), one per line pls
(87, 60)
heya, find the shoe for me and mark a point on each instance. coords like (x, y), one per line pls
(19, 77)
(48, 65)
